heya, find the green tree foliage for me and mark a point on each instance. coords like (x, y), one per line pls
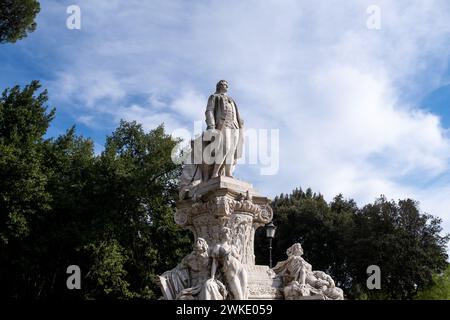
(60, 204)
(17, 19)
(24, 199)
(344, 240)
(440, 290)
(404, 243)
(23, 122)
(133, 196)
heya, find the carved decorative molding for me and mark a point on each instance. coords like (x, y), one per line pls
(224, 206)
(265, 292)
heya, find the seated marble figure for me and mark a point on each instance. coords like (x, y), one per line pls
(301, 281)
(191, 280)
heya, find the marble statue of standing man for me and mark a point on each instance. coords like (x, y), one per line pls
(222, 117)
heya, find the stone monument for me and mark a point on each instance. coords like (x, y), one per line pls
(223, 213)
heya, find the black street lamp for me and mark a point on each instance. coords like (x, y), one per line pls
(270, 233)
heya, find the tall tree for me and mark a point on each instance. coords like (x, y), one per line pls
(406, 244)
(133, 197)
(24, 198)
(23, 122)
(17, 19)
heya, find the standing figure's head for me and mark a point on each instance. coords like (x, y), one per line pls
(225, 234)
(201, 245)
(295, 250)
(222, 86)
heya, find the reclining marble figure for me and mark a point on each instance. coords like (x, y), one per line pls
(300, 280)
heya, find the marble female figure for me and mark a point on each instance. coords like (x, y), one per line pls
(226, 259)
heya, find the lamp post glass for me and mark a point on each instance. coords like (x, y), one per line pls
(270, 233)
(270, 230)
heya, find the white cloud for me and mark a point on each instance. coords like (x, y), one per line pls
(89, 86)
(146, 117)
(87, 120)
(345, 98)
(190, 105)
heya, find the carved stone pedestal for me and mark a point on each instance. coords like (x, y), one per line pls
(225, 202)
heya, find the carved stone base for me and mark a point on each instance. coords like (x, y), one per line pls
(225, 202)
(263, 284)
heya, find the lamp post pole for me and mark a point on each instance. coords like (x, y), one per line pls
(270, 253)
(270, 233)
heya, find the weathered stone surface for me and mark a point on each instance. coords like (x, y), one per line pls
(226, 202)
(263, 284)
(216, 151)
(301, 282)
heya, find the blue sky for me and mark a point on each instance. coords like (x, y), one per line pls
(363, 112)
